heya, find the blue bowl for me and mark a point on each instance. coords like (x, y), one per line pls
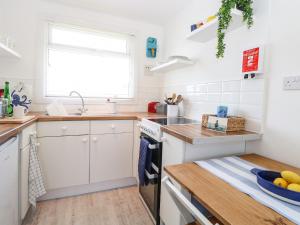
(265, 182)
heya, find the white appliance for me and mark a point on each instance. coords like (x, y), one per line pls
(9, 160)
(151, 127)
(150, 193)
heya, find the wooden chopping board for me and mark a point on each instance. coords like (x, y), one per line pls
(11, 120)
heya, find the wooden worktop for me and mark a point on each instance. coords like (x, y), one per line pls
(190, 133)
(226, 203)
(117, 116)
(9, 130)
(196, 134)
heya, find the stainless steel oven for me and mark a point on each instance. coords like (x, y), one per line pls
(150, 192)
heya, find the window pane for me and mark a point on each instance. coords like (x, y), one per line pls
(92, 40)
(90, 74)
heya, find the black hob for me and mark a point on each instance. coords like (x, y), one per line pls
(175, 120)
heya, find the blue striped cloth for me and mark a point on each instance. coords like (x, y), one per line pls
(236, 172)
(145, 159)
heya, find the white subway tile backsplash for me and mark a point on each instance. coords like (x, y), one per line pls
(252, 85)
(231, 86)
(214, 97)
(250, 111)
(233, 110)
(231, 98)
(214, 87)
(201, 88)
(252, 98)
(243, 98)
(253, 125)
(190, 88)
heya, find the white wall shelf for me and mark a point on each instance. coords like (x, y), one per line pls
(172, 65)
(209, 30)
(8, 52)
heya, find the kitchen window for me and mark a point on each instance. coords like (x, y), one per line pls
(96, 64)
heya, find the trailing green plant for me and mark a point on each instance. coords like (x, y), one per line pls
(224, 17)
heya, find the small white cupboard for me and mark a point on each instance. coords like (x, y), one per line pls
(65, 160)
(176, 151)
(85, 156)
(111, 157)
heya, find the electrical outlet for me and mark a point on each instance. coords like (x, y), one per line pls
(291, 83)
(147, 69)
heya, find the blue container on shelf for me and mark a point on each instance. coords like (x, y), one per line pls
(222, 111)
(265, 182)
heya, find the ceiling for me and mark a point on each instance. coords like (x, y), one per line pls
(152, 11)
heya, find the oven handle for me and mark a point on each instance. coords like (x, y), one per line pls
(151, 176)
(152, 146)
(185, 206)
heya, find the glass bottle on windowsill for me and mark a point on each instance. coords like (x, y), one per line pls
(9, 107)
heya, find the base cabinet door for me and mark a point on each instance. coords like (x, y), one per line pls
(136, 149)
(24, 180)
(64, 161)
(111, 157)
(173, 153)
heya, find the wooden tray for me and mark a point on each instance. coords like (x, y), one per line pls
(16, 121)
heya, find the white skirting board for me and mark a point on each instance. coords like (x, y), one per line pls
(88, 188)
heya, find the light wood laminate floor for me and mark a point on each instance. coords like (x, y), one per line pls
(114, 207)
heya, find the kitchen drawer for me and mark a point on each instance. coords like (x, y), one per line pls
(111, 126)
(25, 135)
(62, 128)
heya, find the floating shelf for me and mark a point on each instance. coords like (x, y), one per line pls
(8, 52)
(172, 65)
(209, 30)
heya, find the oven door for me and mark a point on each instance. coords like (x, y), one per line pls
(150, 192)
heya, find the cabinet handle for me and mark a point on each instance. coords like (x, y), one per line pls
(33, 133)
(113, 126)
(64, 128)
(163, 139)
(95, 139)
(37, 144)
(84, 140)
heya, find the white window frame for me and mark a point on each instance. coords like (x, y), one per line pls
(41, 81)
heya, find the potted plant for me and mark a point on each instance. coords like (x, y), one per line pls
(224, 17)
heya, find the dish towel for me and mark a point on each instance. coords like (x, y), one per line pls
(145, 159)
(236, 172)
(36, 183)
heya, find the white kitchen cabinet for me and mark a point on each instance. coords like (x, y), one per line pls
(136, 149)
(176, 151)
(111, 157)
(62, 128)
(65, 161)
(24, 180)
(111, 126)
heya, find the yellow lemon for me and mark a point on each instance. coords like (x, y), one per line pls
(290, 177)
(280, 182)
(294, 187)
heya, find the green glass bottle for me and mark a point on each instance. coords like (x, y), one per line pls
(9, 109)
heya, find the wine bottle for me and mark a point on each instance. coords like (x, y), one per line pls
(9, 109)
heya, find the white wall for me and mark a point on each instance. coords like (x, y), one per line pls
(275, 25)
(23, 21)
(282, 132)
(211, 82)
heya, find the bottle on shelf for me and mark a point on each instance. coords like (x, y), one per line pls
(9, 107)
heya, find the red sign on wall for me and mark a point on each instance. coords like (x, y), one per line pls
(251, 60)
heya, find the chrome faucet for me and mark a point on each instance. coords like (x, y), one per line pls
(82, 109)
